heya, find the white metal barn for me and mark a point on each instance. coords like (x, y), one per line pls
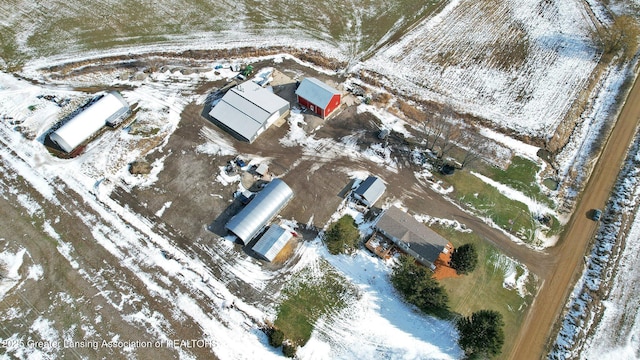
(265, 206)
(247, 110)
(272, 242)
(370, 190)
(110, 108)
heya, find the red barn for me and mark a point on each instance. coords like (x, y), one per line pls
(318, 97)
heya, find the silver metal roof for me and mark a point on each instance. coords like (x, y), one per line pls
(247, 108)
(84, 125)
(265, 205)
(316, 92)
(272, 242)
(403, 228)
(371, 189)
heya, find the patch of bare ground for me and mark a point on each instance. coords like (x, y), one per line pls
(82, 299)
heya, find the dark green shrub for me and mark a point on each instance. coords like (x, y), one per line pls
(418, 287)
(289, 350)
(276, 337)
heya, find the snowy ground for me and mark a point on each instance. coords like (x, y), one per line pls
(519, 64)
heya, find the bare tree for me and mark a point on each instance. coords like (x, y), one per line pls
(450, 134)
(436, 131)
(475, 148)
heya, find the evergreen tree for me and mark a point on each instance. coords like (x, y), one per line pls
(276, 337)
(481, 334)
(418, 286)
(342, 236)
(464, 259)
(289, 350)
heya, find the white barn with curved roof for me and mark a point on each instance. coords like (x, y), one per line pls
(265, 206)
(110, 108)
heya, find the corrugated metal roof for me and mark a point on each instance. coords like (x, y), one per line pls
(316, 92)
(402, 227)
(89, 121)
(264, 206)
(371, 189)
(247, 107)
(272, 242)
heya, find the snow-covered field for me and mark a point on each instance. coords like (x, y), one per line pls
(518, 64)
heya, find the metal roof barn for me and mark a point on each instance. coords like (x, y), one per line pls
(370, 190)
(109, 108)
(272, 242)
(265, 206)
(247, 110)
(319, 97)
(424, 244)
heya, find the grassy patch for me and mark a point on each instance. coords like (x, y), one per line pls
(12, 57)
(144, 130)
(513, 216)
(521, 176)
(510, 215)
(310, 295)
(483, 289)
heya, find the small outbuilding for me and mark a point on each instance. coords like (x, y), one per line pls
(370, 190)
(318, 97)
(272, 242)
(247, 110)
(412, 237)
(262, 169)
(108, 109)
(266, 204)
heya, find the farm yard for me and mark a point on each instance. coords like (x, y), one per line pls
(124, 244)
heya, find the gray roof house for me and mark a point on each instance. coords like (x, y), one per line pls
(248, 223)
(411, 236)
(247, 110)
(272, 242)
(370, 190)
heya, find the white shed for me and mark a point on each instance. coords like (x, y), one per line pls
(272, 242)
(370, 191)
(107, 109)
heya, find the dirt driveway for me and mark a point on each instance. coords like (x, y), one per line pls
(533, 339)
